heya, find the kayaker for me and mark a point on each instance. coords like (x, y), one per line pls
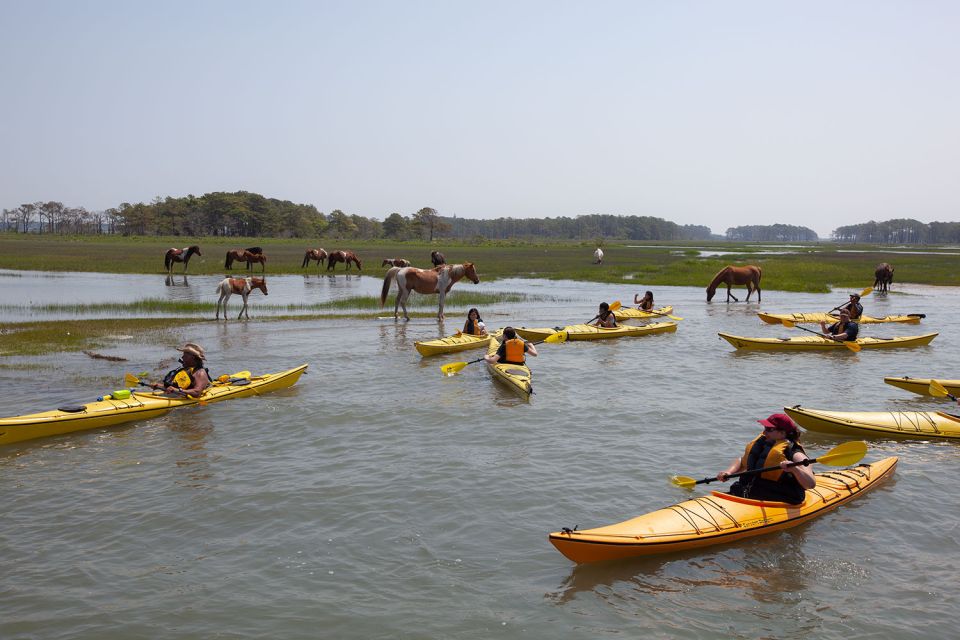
(191, 379)
(474, 325)
(645, 303)
(854, 308)
(779, 444)
(605, 318)
(844, 329)
(513, 350)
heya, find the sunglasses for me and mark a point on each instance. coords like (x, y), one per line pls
(774, 429)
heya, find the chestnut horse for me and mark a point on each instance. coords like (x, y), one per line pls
(730, 275)
(345, 257)
(241, 286)
(883, 277)
(438, 280)
(395, 262)
(245, 255)
(314, 254)
(437, 258)
(180, 255)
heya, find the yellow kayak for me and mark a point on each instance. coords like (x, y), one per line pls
(591, 332)
(816, 343)
(816, 318)
(451, 344)
(921, 386)
(515, 376)
(923, 425)
(139, 406)
(717, 518)
(625, 313)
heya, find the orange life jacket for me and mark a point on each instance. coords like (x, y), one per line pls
(514, 351)
(776, 455)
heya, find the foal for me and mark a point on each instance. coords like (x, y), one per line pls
(241, 286)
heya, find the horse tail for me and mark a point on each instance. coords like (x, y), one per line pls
(228, 261)
(759, 273)
(167, 261)
(387, 279)
(306, 259)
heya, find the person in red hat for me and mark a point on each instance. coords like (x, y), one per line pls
(778, 445)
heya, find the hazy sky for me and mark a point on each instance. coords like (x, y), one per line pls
(717, 113)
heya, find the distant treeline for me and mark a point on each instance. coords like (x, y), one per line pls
(900, 231)
(775, 232)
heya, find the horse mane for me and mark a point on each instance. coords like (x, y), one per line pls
(712, 287)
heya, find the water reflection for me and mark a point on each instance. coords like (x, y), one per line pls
(192, 428)
(176, 281)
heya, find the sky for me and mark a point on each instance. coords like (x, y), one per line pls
(817, 113)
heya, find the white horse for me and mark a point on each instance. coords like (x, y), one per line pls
(241, 286)
(598, 256)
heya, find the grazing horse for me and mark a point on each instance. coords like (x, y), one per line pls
(883, 277)
(345, 257)
(438, 280)
(180, 255)
(730, 275)
(395, 262)
(245, 255)
(314, 254)
(241, 286)
(437, 258)
(598, 256)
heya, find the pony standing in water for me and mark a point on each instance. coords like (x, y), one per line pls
(395, 262)
(314, 254)
(438, 280)
(241, 286)
(598, 256)
(883, 277)
(346, 257)
(179, 255)
(730, 275)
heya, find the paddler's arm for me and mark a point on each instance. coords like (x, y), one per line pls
(802, 473)
(733, 468)
(200, 384)
(531, 349)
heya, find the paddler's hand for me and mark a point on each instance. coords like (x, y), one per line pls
(722, 476)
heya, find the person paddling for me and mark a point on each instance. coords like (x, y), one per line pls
(854, 308)
(779, 444)
(191, 379)
(645, 303)
(844, 329)
(512, 350)
(474, 325)
(606, 318)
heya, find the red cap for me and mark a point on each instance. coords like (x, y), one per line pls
(780, 421)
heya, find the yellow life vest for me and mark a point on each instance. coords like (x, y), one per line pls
(777, 454)
(514, 351)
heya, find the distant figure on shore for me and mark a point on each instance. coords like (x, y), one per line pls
(598, 256)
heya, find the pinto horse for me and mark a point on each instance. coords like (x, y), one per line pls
(241, 286)
(437, 258)
(598, 256)
(395, 262)
(245, 255)
(438, 280)
(345, 257)
(314, 254)
(883, 277)
(730, 275)
(180, 255)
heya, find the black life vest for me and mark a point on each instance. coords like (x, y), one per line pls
(170, 380)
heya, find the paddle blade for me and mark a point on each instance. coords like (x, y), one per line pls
(866, 291)
(853, 346)
(673, 317)
(556, 338)
(938, 390)
(130, 380)
(683, 481)
(845, 454)
(240, 374)
(615, 305)
(452, 368)
(788, 323)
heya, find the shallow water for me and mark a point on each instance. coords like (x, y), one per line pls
(378, 499)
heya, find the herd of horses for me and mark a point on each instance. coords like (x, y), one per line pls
(441, 278)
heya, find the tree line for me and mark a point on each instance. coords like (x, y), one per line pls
(899, 231)
(772, 232)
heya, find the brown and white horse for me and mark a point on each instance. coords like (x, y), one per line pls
(240, 286)
(730, 275)
(437, 258)
(345, 257)
(438, 280)
(395, 262)
(179, 255)
(245, 255)
(314, 254)
(883, 277)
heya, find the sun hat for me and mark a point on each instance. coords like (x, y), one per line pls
(193, 349)
(780, 421)
(855, 295)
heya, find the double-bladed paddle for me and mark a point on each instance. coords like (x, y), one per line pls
(840, 456)
(865, 292)
(660, 313)
(454, 367)
(939, 391)
(849, 344)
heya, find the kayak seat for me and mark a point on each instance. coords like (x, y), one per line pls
(72, 408)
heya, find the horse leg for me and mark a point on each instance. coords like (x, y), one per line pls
(223, 298)
(443, 294)
(730, 295)
(243, 308)
(403, 302)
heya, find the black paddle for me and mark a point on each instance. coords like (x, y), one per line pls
(613, 307)
(865, 292)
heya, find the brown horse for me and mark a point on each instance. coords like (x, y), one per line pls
(437, 258)
(345, 257)
(395, 262)
(245, 255)
(438, 280)
(314, 254)
(883, 277)
(730, 275)
(240, 286)
(179, 255)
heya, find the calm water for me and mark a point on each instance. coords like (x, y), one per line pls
(378, 499)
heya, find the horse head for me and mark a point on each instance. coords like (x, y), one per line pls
(194, 249)
(258, 283)
(470, 272)
(387, 261)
